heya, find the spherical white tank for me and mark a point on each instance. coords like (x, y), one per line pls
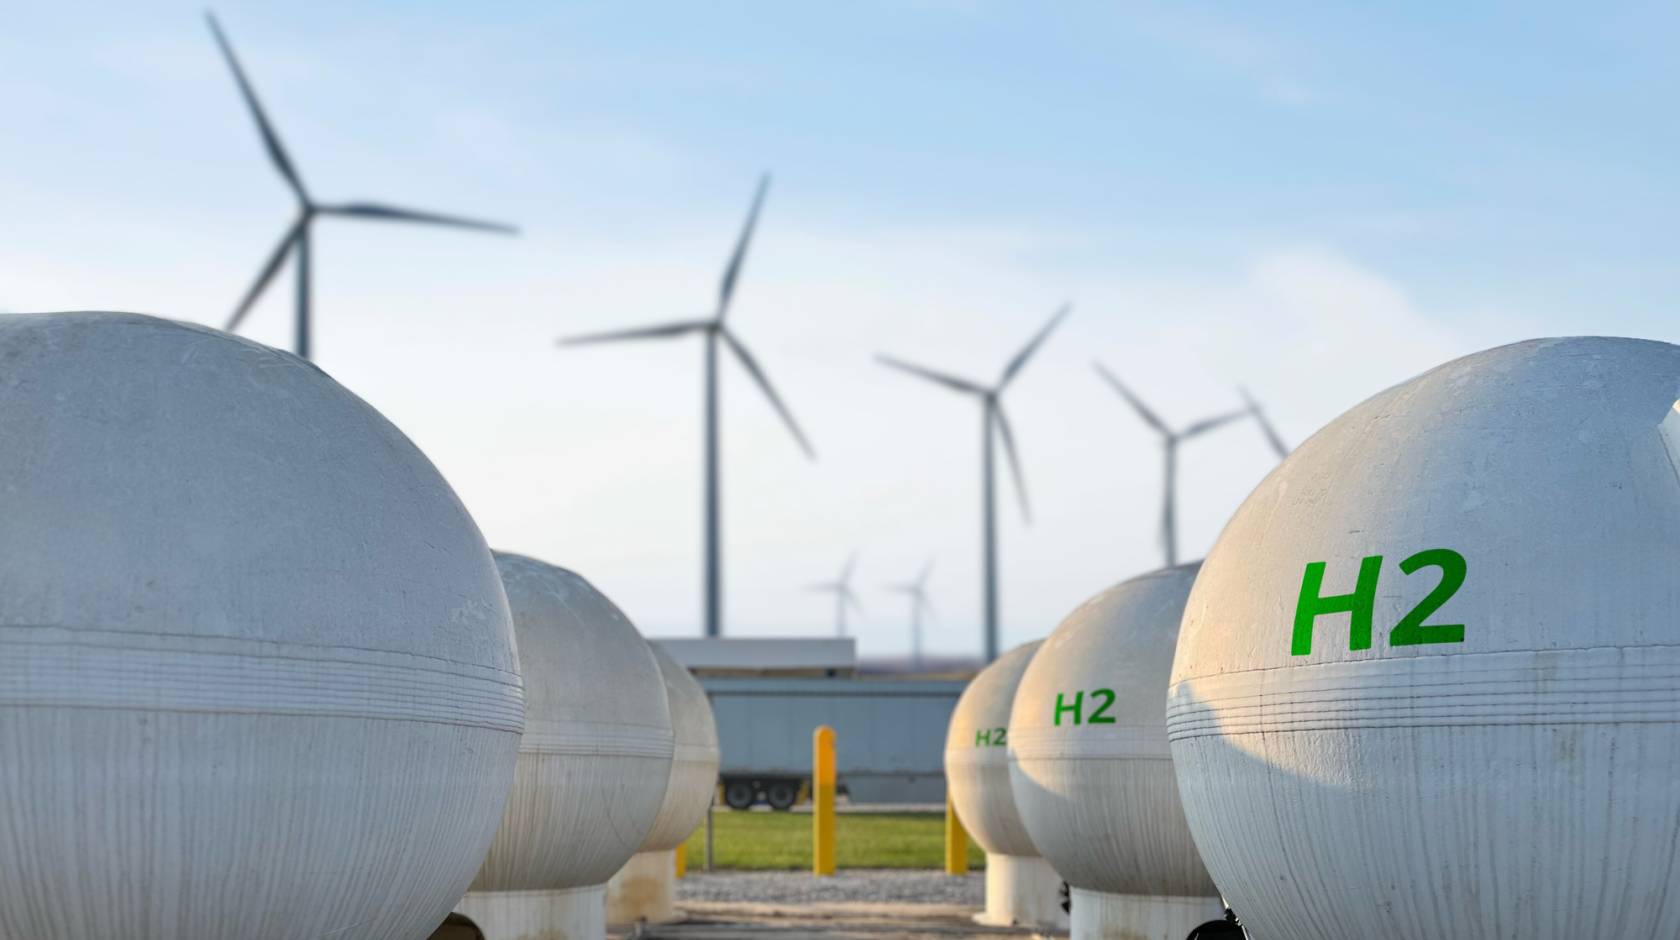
(1091, 772)
(645, 888)
(1427, 683)
(593, 762)
(1021, 888)
(257, 675)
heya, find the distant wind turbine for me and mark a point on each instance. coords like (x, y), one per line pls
(917, 592)
(994, 424)
(716, 332)
(844, 596)
(1260, 418)
(1170, 440)
(295, 241)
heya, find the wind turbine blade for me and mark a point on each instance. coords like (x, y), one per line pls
(1260, 418)
(1143, 411)
(271, 139)
(852, 601)
(384, 213)
(757, 373)
(851, 565)
(1008, 436)
(661, 331)
(949, 381)
(732, 273)
(269, 269)
(1020, 360)
(1202, 427)
(927, 569)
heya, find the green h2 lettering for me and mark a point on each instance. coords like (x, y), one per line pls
(1074, 709)
(1357, 605)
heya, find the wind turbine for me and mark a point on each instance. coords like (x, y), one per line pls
(295, 240)
(844, 596)
(1260, 418)
(917, 592)
(717, 332)
(1170, 440)
(994, 424)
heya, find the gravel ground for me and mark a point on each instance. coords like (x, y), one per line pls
(879, 886)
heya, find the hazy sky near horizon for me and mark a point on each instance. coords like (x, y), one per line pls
(1314, 200)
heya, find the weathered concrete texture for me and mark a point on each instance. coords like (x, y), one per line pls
(977, 772)
(257, 674)
(644, 889)
(1489, 749)
(1091, 770)
(735, 920)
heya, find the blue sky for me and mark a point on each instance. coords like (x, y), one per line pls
(1318, 200)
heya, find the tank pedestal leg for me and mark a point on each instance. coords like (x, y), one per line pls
(566, 914)
(1022, 890)
(1097, 916)
(645, 889)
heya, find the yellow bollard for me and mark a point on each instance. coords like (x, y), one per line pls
(682, 860)
(956, 841)
(822, 795)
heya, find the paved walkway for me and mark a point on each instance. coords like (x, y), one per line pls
(872, 885)
(735, 920)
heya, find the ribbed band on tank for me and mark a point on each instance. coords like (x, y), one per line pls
(976, 755)
(60, 667)
(694, 754)
(1108, 742)
(1608, 685)
(597, 738)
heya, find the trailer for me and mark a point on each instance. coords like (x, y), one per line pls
(889, 734)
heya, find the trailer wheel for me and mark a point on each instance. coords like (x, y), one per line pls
(739, 794)
(781, 794)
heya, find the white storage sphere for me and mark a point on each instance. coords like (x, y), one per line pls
(644, 889)
(1091, 772)
(593, 762)
(694, 765)
(1020, 886)
(257, 676)
(1426, 684)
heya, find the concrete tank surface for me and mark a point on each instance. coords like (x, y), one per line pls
(593, 762)
(1091, 771)
(257, 674)
(1021, 887)
(1428, 682)
(645, 888)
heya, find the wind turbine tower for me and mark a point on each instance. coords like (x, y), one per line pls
(917, 592)
(1170, 440)
(717, 332)
(994, 426)
(295, 242)
(844, 596)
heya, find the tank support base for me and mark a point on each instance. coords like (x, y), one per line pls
(1021, 891)
(569, 914)
(645, 890)
(1097, 915)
